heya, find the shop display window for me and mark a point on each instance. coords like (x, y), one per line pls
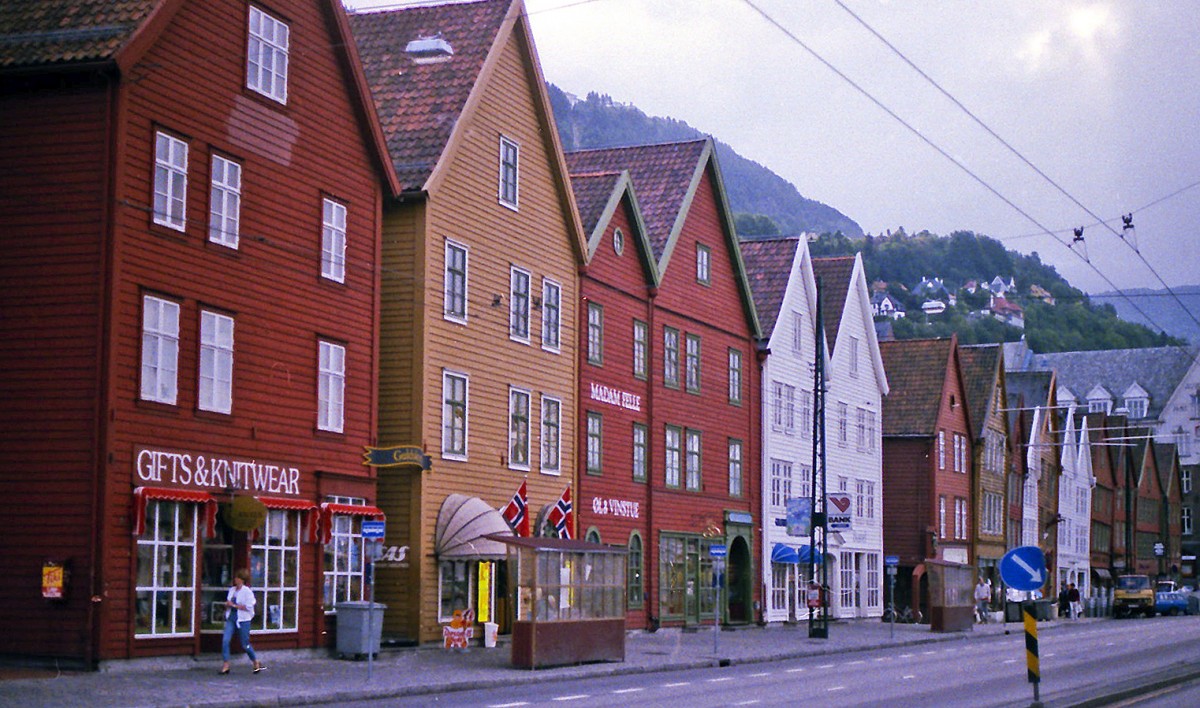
(166, 568)
(275, 571)
(216, 575)
(344, 563)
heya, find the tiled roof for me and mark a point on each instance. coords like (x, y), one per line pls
(1024, 390)
(49, 32)
(768, 268)
(1158, 370)
(419, 104)
(916, 372)
(980, 364)
(834, 276)
(592, 193)
(662, 175)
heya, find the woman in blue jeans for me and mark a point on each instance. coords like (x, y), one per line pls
(238, 615)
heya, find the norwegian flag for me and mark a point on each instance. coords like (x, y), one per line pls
(516, 512)
(562, 516)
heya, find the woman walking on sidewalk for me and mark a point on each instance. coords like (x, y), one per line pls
(239, 613)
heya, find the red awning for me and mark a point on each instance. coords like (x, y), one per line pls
(142, 495)
(283, 503)
(324, 528)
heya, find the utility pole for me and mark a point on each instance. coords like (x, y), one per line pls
(818, 621)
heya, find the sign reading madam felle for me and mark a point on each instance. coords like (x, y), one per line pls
(201, 471)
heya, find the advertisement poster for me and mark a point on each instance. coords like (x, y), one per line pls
(799, 516)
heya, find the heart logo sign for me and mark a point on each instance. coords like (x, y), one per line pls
(841, 501)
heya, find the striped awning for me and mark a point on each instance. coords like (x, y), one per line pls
(143, 495)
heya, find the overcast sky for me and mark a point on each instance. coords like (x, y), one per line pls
(1103, 97)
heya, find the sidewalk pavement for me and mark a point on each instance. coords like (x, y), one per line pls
(308, 678)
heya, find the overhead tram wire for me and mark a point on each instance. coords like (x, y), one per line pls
(941, 151)
(1017, 153)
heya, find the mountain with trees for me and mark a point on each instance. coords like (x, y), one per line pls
(1161, 307)
(764, 203)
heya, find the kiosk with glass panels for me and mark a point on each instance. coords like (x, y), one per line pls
(569, 597)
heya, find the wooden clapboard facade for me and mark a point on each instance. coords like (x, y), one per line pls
(173, 337)
(481, 253)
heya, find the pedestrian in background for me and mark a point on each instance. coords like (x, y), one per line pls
(983, 598)
(1073, 600)
(1064, 601)
(239, 613)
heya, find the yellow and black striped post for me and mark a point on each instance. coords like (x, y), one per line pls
(1031, 650)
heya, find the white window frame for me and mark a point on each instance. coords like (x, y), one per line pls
(735, 376)
(595, 443)
(692, 348)
(333, 240)
(1185, 480)
(160, 350)
(671, 357)
(1137, 407)
(843, 413)
(449, 407)
(693, 460)
(225, 202)
(595, 334)
(551, 315)
(331, 387)
(1185, 521)
(344, 560)
(641, 435)
(551, 442)
(454, 289)
(736, 481)
(860, 428)
(806, 421)
(520, 281)
(278, 541)
(509, 191)
(854, 356)
(267, 55)
(797, 332)
(673, 456)
(703, 264)
(178, 571)
(641, 349)
(520, 408)
(781, 483)
(941, 516)
(170, 181)
(465, 578)
(216, 362)
(941, 452)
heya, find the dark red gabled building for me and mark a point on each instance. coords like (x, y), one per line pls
(669, 435)
(1105, 461)
(191, 205)
(927, 466)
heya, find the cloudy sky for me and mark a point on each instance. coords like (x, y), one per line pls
(1103, 97)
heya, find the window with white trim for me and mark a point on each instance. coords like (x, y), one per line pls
(455, 306)
(846, 578)
(806, 420)
(160, 349)
(641, 349)
(633, 572)
(1186, 521)
(518, 428)
(454, 415)
(843, 420)
(1137, 407)
(735, 468)
(509, 159)
(779, 585)
(942, 516)
(806, 481)
(344, 558)
(551, 315)
(639, 452)
(781, 483)
(595, 443)
(164, 597)
(595, 333)
(673, 450)
(854, 356)
(703, 264)
(783, 407)
(692, 359)
(275, 571)
(1185, 480)
(456, 578)
(333, 241)
(518, 310)
(267, 56)
(693, 460)
(224, 202)
(735, 376)
(170, 181)
(331, 387)
(216, 362)
(551, 435)
(941, 452)
(873, 581)
(860, 428)
(797, 332)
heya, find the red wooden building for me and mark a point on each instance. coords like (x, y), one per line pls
(669, 430)
(927, 465)
(191, 204)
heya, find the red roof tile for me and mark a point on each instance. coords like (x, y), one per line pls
(661, 174)
(419, 104)
(46, 32)
(916, 372)
(834, 276)
(592, 194)
(768, 268)
(981, 366)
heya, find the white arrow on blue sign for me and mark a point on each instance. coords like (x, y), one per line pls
(891, 560)
(1024, 568)
(373, 529)
(717, 550)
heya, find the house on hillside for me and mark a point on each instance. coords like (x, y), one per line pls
(884, 305)
(933, 307)
(855, 388)
(926, 461)
(781, 279)
(478, 350)
(684, 331)
(191, 219)
(1008, 312)
(1037, 291)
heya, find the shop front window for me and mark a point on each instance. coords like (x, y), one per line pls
(216, 575)
(633, 571)
(275, 571)
(454, 591)
(166, 566)
(344, 557)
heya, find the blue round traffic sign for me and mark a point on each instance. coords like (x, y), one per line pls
(1024, 568)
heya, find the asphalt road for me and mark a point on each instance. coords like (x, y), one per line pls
(1080, 665)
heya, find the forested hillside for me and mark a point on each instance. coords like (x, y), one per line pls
(1161, 307)
(764, 202)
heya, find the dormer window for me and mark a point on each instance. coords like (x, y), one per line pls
(267, 56)
(1136, 407)
(429, 50)
(1099, 401)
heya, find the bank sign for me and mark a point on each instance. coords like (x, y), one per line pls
(207, 471)
(839, 511)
